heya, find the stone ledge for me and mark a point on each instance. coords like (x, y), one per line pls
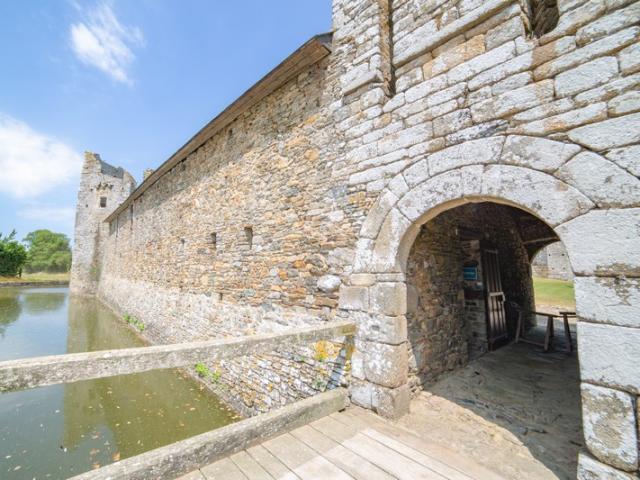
(56, 369)
(473, 18)
(195, 452)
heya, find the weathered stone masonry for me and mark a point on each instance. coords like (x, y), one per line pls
(316, 192)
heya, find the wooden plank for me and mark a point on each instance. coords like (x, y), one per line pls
(429, 462)
(223, 469)
(271, 464)
(387, 459)
(187, 455)
(342, 457)
(462, 463)
(302, 460)
(55, 369)
(251, 469)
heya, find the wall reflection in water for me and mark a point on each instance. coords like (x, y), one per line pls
(64, 430)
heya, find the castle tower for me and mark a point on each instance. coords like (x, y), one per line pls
(102, 188)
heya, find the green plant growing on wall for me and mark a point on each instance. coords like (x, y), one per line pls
(205, 372)
(319, 384)
(133, 321)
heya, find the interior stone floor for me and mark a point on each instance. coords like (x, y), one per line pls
(515, 410)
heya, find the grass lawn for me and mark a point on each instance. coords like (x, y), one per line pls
(37, 277)
(557, 293)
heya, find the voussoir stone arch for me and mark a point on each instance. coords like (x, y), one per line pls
(594, 210)
(526, 172)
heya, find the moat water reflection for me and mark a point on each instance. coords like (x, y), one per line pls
(63, 430)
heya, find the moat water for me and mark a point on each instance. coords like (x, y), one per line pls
(63, 430)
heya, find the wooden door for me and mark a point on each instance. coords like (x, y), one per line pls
(494, 298)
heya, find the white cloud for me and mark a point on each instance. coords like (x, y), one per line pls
(32, 163)
(63, 215)
(103, 42)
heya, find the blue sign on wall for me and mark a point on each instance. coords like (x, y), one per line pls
(470, 273)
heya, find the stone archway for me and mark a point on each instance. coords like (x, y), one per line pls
(592, 206)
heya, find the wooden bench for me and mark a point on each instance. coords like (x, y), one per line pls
(549, 331)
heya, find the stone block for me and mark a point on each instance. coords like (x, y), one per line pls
(362, 279)
(608, 24)
(522, 62)
(513, 101)
(548, 109)
(447, 94)
(391, 403)
(601, 180)
(329, 283)
(423, 40)
(503, 33)
(386, 365)
(609, 425)
(609, 90)
(511, 83)
(610, 355)
(564, 121)
(388, 298)
(604, 46)
(454, 56)
(436, 191)
(354, 298)
(626, 103)
(381, 328)
(553, 201)
(426, 88)
(591, 469)
(630, 59)
(537, 153)
(627, 158)
(481, 151)
(613, 133)
(452, 122)
(361, 393)
(609, 300)
(417, 173)
(481, 63)
(586, 76)
(384, 203)
(482, 130)
(383, 256)
(603, 242)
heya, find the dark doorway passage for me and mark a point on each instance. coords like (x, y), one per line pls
(514, 406)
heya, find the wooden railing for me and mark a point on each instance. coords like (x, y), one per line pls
(181, 457)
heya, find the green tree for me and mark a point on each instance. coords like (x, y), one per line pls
(48, 252)
(12, 255)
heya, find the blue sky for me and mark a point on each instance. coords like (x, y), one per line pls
(131, 80)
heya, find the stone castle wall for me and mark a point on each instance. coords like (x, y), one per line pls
(420, 105)
(102, 189)
(247, 235)
(552, 262)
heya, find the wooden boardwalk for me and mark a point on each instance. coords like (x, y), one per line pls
(354, 444)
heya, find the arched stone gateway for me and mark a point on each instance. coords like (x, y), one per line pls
(592, 206)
